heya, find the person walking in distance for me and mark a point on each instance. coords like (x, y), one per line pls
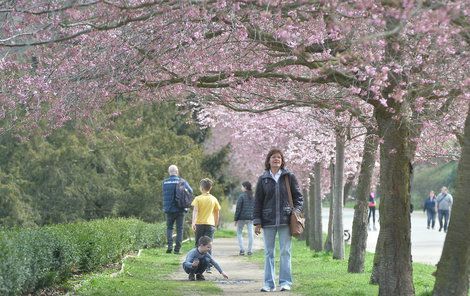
(272, 214)
(430, 208)
(372, 210)
(244, 216)
(444, 204)
(174, 214)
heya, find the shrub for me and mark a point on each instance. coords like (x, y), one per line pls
(38, 257)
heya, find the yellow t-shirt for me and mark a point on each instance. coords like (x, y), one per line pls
(206, 204)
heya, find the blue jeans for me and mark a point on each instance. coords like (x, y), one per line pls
(249, 226)
(443, 214)
(203, 264)
(431, 218)
(171, 218)
(285, 274)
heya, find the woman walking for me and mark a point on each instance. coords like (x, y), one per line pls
(430, 207)
(244, 216)
(272, 214)
(372, 209)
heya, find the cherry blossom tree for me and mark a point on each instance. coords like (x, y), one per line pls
(452, 277)
(405, 59)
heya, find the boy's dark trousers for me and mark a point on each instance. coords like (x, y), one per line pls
(204, 230)
(203, 264)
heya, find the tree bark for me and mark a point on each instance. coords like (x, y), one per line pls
(318, 236)
(328, 243)
(374, 277)
(311, 206)
(308, 216)
(304, 235)
(394, 266)
(452, 270)
(338, 241)
(359, 229)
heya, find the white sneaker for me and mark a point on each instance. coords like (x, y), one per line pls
(267, 289)
(285, 288)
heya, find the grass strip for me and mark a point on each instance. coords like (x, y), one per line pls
(148, 274)
(320, 274)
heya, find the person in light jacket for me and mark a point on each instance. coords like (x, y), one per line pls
(444, 204)
(272, 214)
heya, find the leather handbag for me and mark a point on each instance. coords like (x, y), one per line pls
(297, 221)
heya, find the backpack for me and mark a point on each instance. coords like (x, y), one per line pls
(183, 196)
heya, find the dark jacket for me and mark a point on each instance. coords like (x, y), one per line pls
(271, 199)
(245, 205)
(169, 191)
(430, 205)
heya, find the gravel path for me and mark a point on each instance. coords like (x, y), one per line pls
(245, 277)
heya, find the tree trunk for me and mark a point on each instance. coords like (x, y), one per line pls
(308, 216)
(338, 241)
(374, 277)
(318, 237)
(328, 243)
(311, 205)
(359, 231)
(304, 234)
(394, 268)
(452, 269)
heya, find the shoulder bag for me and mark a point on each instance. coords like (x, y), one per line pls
(297, 221)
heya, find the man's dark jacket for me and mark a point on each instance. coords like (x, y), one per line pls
(169, 191)
(271, 199)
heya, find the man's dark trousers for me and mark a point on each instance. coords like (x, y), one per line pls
(171, 218)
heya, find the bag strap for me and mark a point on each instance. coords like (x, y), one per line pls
(289, 193)
(176, 187)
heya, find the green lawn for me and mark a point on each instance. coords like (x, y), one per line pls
(147, 274)
(314, 274)
(318, 274)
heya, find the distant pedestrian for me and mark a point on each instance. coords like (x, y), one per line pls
(272, 214)
(244, 216)
(205, 213)
(430, 208)
(444, 204)
(372, 210)
(174, 214)
(198, 259)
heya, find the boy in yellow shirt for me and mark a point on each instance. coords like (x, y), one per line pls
(205, 213)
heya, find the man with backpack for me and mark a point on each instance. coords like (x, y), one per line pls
(176, 195)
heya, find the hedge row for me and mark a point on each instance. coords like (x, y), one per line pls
(34, 258)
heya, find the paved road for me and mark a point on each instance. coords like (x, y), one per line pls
(426, 244)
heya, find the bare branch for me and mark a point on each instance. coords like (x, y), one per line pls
(94, 28)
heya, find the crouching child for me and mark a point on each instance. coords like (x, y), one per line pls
(198, 259)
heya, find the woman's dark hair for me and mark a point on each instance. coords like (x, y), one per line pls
(267, 166)
(247, 185)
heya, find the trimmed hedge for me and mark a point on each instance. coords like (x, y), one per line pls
(34, 258)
